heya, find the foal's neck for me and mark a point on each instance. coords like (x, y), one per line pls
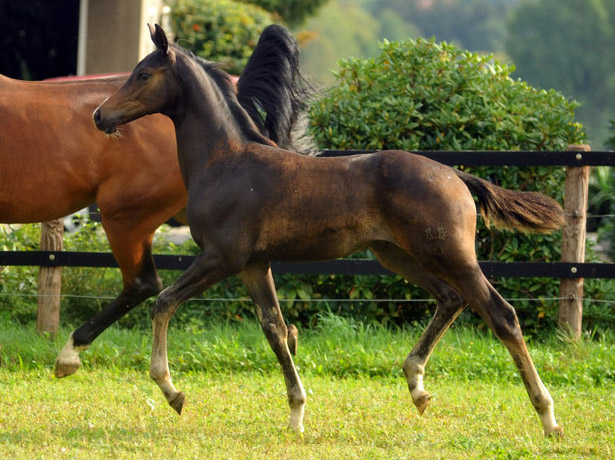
(204, 126)
(208, 123)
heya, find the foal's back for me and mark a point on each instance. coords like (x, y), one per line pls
(322, 208)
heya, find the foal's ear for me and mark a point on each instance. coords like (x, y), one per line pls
(159, 38)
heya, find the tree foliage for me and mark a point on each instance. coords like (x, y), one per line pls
(341, 29)
(562, 44)
(472, 24)
(224, 31)
(293, 12)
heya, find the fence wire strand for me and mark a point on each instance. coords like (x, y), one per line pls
(309, 300)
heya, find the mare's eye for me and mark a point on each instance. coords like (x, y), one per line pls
(143, 76)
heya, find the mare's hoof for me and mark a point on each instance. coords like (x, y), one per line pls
(177, 403)
(422, 402)
(558, 432)
(292, 339)
(64, 369)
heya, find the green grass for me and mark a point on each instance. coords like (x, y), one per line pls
(358, 403)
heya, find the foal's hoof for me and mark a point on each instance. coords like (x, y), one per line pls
(422, 402)
(558, 432)
(296, 428)
(292, 339)
(177, 403)
(64, 369)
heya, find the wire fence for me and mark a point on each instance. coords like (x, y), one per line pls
(308, 300)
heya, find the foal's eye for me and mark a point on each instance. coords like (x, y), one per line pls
(144, 76)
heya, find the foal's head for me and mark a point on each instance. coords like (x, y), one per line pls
(151, 88)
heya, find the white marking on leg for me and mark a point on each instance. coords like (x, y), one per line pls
(68, 360)
(414, 371)
(297, 409)
(547, 415)
(414, 376)
(418, 386)
(296, 419)
(549, 424)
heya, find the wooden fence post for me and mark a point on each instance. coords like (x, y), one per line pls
(573, 243)
(50, 280)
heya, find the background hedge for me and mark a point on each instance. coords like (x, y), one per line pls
(224, 31)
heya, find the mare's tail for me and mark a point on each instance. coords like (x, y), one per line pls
(271, 87)
(524, 211)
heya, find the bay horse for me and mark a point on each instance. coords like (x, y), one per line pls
(53, 162)
(251, 202)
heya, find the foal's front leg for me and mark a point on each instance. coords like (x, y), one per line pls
(259, 282)
(203, 273)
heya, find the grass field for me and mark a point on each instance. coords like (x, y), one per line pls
(358, 403)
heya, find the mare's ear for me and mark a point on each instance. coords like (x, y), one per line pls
(159, 38)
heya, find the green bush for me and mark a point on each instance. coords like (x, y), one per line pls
(224, 31)
(433, 96)
(423, 95)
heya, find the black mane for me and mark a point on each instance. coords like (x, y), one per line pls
(224, 83)
(272, 88)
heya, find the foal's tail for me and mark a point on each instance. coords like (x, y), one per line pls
(524, 211)
(271, 87)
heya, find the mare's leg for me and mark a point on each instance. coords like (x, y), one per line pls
(259, 282)
(204, 272)
(133, 253)
(449, 305)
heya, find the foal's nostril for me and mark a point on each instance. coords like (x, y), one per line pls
(97, 117)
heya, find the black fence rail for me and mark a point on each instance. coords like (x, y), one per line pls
(339, 267)
(500, 158)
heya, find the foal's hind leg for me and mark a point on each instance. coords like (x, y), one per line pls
(502, 319)
(449, 305)
(259, 282)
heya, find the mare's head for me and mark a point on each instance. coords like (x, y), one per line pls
(151, 88)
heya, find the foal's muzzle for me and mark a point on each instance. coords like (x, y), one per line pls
(108, 127)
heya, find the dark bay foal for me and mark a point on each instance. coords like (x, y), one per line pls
(250, 202)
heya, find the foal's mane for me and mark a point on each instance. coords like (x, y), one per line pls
(273, 90)
(223, 82)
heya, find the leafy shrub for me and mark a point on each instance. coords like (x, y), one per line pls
(18, 283)
(434, 96)
(423, 95)
(224, 31)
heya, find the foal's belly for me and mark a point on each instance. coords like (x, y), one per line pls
(326, 244)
